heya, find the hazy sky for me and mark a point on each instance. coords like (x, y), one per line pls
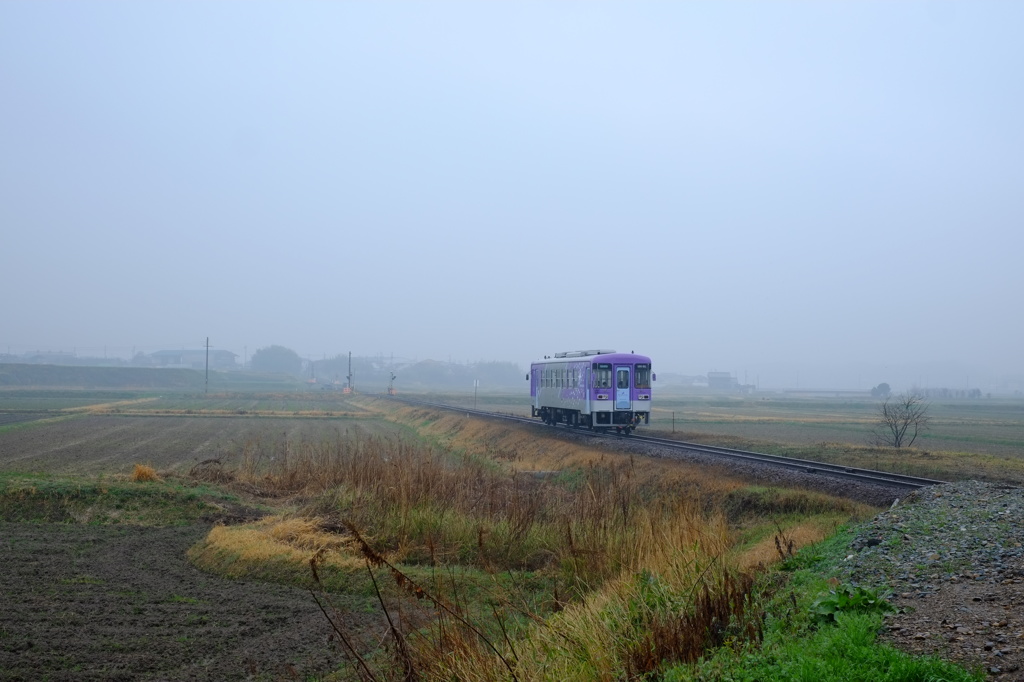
(747, 187)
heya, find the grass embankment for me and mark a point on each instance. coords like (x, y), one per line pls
(139, 500)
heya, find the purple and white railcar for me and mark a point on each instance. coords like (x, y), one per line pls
(596, 389)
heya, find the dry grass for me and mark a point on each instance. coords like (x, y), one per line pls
(433, 506)
(521, 448)
(237, 551)
(636, 551)
(783, 543)
(673, 606)
(144, 472)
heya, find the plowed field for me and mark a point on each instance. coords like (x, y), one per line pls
(109, 444)
(123, 603)
(120, 602)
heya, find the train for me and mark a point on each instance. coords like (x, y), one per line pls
(596, 389)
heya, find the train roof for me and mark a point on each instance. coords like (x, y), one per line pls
(593, 356)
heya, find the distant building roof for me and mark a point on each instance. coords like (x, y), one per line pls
(201, 351)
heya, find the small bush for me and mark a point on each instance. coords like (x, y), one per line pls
(848, 599)
(144, 472)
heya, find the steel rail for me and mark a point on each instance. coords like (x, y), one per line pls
(804, 465)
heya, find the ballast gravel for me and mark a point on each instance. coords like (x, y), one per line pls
(952, 557)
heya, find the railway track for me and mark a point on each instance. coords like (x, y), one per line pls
(803, 465)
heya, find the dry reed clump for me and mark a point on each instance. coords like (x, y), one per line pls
(143, 472)
(304, 533)
(785, 542)
(239, 551)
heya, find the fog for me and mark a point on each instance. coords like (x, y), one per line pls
(802, 194)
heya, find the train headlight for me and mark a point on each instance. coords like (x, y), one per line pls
(602, 396)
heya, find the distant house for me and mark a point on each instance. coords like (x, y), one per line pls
(194, 359)
(722, 380)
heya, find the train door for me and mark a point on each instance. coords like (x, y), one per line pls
(622, 400)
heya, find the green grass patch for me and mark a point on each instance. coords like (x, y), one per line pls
(40, 498)
(847, 650)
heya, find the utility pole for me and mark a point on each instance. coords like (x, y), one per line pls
(207, 364)
(349, 377)
(476, 384)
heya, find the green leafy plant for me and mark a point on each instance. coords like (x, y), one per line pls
(848, 599)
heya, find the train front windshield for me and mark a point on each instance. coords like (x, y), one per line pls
(643, 376)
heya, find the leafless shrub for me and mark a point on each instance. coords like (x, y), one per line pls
(900, 420)
(210, 471)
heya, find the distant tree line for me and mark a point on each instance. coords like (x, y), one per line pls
(375, 372)
(884, 391)
(276, 360)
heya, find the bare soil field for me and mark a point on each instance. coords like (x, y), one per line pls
(19, 417)
(123, 603)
